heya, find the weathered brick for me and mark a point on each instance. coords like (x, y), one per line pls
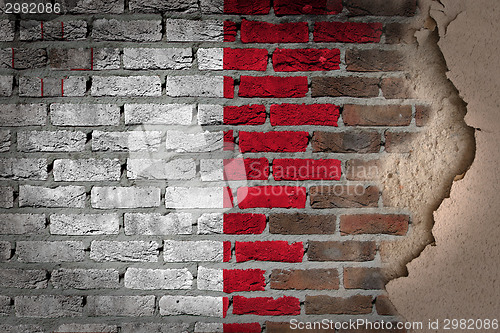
(398, 33)
(49, 306)
(422, 115)
(23, 114)
(124, 197)
(126, 141)
(195, 86)
(207, 306)
(346, 142)
(7, 30)
(306, 169)
(58, 197)
(5, 140)
(182, 142)
(345, 86)
(396, 88)
(362, 170)
(85, 279)
(84, 114)
(157, 224)
(212, 170)
(94, 6)
(283, 141)
(128, 251)
(400, 142)
(120, 306)
(301, 224)
(159, 6)
(6, 85)
(23, 58)
(269, 251)
(156, 58)
(159, 114)
(341, 251)
(5, 251)
(266, 306)
(84, 224)
(244, 280)
(385, 307)
(161, 169)
(53, 30)
(210, 114)
(180, 30)
(185, 251)
(347, 32)
(73, 327)
(344, 196)
(263, 32)
(211, 223)
(71, 86)
(152, 279)
(271, 197)
(318, 279)
(212, 6)
(363, 278)
(20, 224)
(86, 170)
(210, 59)
(136, 327)
(5, 305)
(377, 115)
(373, 60)
(293, 60)
(23, 278)
(374, 224)
(273, 86)
(245, 59)
(51, 141)
(124, 86)
(210, 279)
(6, 198)
(381, 7)
(354, 305)
(43, 251)
(127, 31)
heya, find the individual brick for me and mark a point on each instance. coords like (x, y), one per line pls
(180, 30)
(5, 251)
(127, 251)
(245, 7)
(396, 88)
(212, 170)
(210, 59)
(347, 32)
(210, 114)
(200, 142)
(93, 7)
(49, 306)
(123, 86)
(58, 197)
(73, 327)
(303, 114)
(271, 197)
(354, 305)
(138, 327)
(212, 6)
(5, 140)
(206, 306)
(422, 115)
(239, 224)
(384, 306)
(124, 197)
(244, 280)
(266, 306)
(269, 251)
(295, 60)
(377, 115)
(120, 306)
(161, 169)
(363, 170)
(71, 30)
(195, 86)
(153, 279)
(5, 305)
(246, 169)
(273, 86)
(185, 251)
(245, 115)
(349, 86)
(159, 114)
(86, 170)
(301, 224)
(6, 198)
(391, 224)
(306, 169)
(230, 31)
(71, 86)
(6, 85)
(23, 58)
(341, 251)
(7, 30)
(283, 141)
(194, 197)
(84, 114)
(373, 60)
(263, 32)
(400, 142)
(84, 224)
(85, 279)
(51, 141)
(245, 59)
(158, 6)
(22, 224)
(343, 196)
(314, 7)
(44, 251)
(210, 223)
(381, 8)
(398, 33)
(23, 278)
(316, 279)
(210, 279)
(363, 278)
(81, 59)
(346, 142)
(126, 31)
(157, 58)
(157, 224)
(126, 141)
(23, 114)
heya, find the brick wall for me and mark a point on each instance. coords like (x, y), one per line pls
(171, 166)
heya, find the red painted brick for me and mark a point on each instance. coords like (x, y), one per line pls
(374, 224)
(266, 306)
(227, 251)
(273, 86)
(245, 59)
(302, 114)
(243, 280)
(239, 224)
(228, 87)
(230, 31)
(242, 328)
(245, 115)
(225, 306)
(293, 60)
(347, 32)
(285, 141)
(228, 198)
(304, 169)
(249, 168)
(248, 7)
(263, 32)
(315, 7)
(269, 251)
(228, 140)
(271, 197)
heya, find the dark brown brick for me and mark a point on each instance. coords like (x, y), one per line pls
(346, 142)
(422, 115)
(400, 142)
(70, 58)
(301, 224)
(345, 86)
(341, 251)
(398, 33)
(381, 7)
(377, 115)
(323, 304)
(385, 307)
(343, 196)
(391, 224)
(375, 60)
(363, 278)
(396, 88)
(363, 169)
(316, 279)
(284, 327)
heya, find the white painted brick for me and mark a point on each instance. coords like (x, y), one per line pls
(184, 251)
(124, 197)
(23, 168)
(211, 223)
(85, 279)
(159, 114)
(85, 328)
(126, 30)
(86, 170)
(5, 306)
(49, 306)
(155, 328)
(133, 251)
(156, 58)
(106, 59)
(6, 198)
(161, 169)
(23, 278)
(53, 30)
(21, 329)
(195, 86)
(19, 224)
(183, 142)
(126, 141)
(194, 197)
(159, 6)
(157, 224)
(50, 141)
(84, 114)
(210, 279)
(212, 170)
(180, 30)
(6, 30)
(153, 279)
(210, 59)
(59, 197)
(23, 114)
(4, 140)
(6, 82)
(210, 114)
(123, 86)
(72, 86)
(208, 328)
(84, 224)
(191, 305)
(121, 306)
(43, 251)
(4, 251)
